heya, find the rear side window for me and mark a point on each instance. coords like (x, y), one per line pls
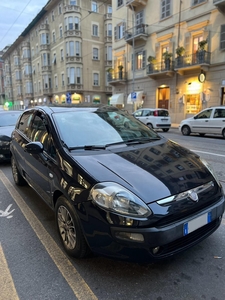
(147, 113)
(24, 122)
(163, 113)
(219, 113)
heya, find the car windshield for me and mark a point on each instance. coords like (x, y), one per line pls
(8, 119)
(101, 128)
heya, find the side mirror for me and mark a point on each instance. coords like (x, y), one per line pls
(34, 148)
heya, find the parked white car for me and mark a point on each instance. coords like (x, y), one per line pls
(209, 121)
(154, 118)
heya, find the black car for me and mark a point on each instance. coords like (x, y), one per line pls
(7, 124)
(117, 187)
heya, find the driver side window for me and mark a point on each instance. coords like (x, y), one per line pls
(204, 114)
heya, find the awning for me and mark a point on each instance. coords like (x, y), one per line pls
(139, 98)
(117, 99)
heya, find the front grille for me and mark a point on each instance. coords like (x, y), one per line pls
(189, 240)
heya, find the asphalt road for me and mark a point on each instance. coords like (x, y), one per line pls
(34, 266)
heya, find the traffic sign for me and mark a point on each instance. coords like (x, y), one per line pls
(68, 98)
(133, 96)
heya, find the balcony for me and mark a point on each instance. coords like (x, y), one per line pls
(108, 16)
(45, 47)
(25, 45)
(47, 91)
(138, 33)
(73, 59)
(136, 3)
(195, 61)
(117, 78)
(74, 87)
(160, 69)
(28, 95)
(108, 89)
(19, 97)
(28, 76)
(72, 33)
(44, 26)
(46, 68)
(71, 8)
(108, 39)
(220, 4)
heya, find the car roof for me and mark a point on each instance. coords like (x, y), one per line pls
(79, 107)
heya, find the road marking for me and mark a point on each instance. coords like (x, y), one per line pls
(210, 153)
(7, 288)
(80, 288)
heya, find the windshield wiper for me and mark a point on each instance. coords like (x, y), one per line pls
(141, 140)
(88, 147)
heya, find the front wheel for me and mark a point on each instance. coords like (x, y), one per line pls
(69, 229)
(165, 129)
(185, 130)
(150, 125)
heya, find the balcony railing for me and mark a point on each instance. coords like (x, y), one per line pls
(44, 26)
(160, 67)
(198, 58)
(138, 32)
(71, 8)
(117, 76)
(108, 16)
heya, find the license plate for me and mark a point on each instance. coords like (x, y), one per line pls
(197, 223)
(164, 119)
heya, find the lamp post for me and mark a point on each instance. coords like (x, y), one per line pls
(133, 108)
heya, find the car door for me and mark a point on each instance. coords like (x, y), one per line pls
(201, 122)
(37, 165)
(217, 121)
(144, 117)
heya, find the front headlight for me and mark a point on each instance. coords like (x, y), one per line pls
(115, 198)
(209, 167)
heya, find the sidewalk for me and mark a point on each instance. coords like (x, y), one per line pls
(175, 125)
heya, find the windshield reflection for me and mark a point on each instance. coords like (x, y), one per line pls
(100, 128)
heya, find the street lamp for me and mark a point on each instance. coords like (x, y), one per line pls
(133, 54)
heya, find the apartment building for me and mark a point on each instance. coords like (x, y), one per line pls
(62, 56)
(170, 53)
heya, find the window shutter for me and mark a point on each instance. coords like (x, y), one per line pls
(124, 28)
(206, 37)
(144, 60)
(115, 32)
(222, 37)
(157, 54)
(171, 46)
(187, 43)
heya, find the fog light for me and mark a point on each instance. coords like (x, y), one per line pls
(155, 250)
(138, 237)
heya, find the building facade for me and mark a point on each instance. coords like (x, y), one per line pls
(168, 54)
(62, 56)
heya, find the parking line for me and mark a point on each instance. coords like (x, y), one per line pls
(210, 153)
(80, 288)
(7, 288)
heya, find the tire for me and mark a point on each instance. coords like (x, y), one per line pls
(165, 129)
(69, 229)
(18, 178)
(150, 125)
(186, 130)
(223, 133)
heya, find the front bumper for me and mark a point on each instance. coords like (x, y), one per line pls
(168, 239)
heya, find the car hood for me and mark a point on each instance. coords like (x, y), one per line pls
(6, 130)
(160, 170)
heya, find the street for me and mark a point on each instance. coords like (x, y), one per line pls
(34, 266)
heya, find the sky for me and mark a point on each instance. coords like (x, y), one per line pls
(15, 16)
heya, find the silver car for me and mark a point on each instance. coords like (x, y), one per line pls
(154, 118)
(209, 121)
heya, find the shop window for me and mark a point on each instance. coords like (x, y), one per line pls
(193, 104)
